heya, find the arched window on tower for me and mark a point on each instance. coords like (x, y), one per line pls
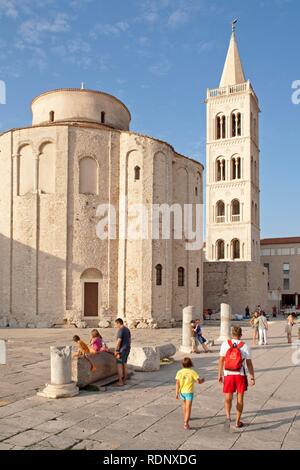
(220, 127)
(236, 168)
(221, 169)
(256, 214)
(236, 124)
(252, 212)
(158, 269)
(220, 212)
(102, 117)
(51, 116)
(236, 249)
(26, 170)
(180, 277)
(235, 211)
(239, 124)
(137, 173)
(220, 250)
(88, 176)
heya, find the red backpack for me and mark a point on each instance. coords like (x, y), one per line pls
(234, 358)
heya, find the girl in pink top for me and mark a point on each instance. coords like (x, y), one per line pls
(96, 342)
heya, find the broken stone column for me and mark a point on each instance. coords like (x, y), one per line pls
(2, 352)
(61, 385)
(187, 317)
(225, 334)
(166, 351)
(144, 358)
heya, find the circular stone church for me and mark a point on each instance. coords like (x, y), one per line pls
(78, 154)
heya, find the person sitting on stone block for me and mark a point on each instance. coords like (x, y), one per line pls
(83, 350)
(97, 344)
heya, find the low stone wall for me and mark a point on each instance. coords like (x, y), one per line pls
(106, 369)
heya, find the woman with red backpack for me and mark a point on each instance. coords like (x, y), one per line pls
(232, 374)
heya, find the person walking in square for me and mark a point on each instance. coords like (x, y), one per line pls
(185, 380)
(232, 374)
(291, 320)
(254, 324)
(199, 336)
(263, 329)
(193, 337)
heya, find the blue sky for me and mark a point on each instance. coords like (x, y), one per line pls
(159, 57)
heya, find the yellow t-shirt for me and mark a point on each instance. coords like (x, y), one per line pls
(187, 378)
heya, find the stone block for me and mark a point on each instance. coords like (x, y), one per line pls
(80, 324)
(104, 323)
(143, 358)
(166, 351)
(106, 367)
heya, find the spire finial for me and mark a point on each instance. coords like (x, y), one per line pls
(233, 24)
(82, 86)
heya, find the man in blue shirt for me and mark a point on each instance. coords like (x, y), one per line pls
(122, 350)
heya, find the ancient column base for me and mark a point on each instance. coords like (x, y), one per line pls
(185, 350)
(59, 391)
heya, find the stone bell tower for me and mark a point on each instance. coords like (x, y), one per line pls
(232, 273)
(233, 226)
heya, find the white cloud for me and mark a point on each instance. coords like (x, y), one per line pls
(80, 3)
(177, 18)
(16, 8)
(110, 29)
(160, 69)
(206, 46)
(75, 51)
(33, 30)
(8, 8)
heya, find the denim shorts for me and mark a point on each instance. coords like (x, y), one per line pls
(187, 396)
(201, 339)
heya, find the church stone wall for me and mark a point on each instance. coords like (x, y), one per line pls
(48, 238)
(237, 284)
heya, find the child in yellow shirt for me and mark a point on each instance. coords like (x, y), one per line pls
(185, 379)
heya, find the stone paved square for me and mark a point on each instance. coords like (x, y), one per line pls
(145, 414)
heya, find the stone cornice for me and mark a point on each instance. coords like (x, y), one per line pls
(228, 142)
(228, 184)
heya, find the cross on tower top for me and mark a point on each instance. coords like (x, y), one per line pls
(233, 24)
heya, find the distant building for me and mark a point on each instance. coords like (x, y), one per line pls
(281, 257)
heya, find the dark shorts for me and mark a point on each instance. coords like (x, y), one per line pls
(124, 357)
(201, 340)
